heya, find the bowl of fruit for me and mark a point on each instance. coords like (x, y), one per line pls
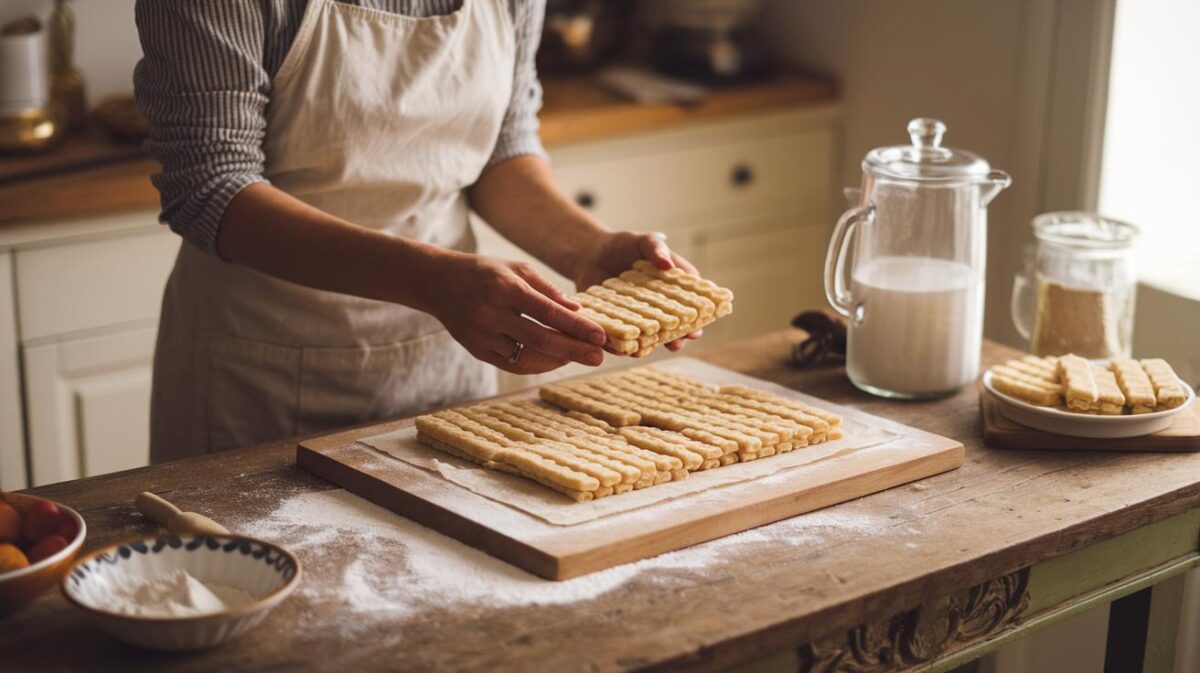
(38, 539)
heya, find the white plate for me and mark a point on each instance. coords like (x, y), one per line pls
(1062, 422)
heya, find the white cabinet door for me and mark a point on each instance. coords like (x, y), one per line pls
(12, 432)
(88, 404)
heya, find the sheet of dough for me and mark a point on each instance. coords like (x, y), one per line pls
(553, 508)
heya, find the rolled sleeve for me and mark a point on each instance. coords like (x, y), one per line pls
(203, 89)
(519, 131)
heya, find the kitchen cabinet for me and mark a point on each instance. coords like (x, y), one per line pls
(89, 404)
(12, 431)
(93, 284)
(749, 201)
(87, 311)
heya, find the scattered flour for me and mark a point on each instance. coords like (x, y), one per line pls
(382, 565)
(175, 594)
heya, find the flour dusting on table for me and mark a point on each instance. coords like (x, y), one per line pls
(381, 565)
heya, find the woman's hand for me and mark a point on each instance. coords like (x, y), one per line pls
(617, 251)
(489, 305)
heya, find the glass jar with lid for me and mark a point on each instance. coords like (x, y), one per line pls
(1076, 291)
(906, 265)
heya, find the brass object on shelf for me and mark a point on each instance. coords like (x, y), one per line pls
(66, 84)
(31, 130)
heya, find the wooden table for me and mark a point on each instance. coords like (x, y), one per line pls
(954, 566)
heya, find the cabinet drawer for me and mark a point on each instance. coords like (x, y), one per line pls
(790, 172)
(774, 270)
(78, 286)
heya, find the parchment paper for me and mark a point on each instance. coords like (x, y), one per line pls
(557, 509)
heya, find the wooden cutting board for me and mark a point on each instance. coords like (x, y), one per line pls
(561, 552)
(1002, 433)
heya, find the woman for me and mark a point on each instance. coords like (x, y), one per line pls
(319, 159)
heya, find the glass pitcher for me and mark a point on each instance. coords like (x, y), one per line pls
(1076, 292)
(906, 266)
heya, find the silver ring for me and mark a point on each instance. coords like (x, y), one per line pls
(518, 348)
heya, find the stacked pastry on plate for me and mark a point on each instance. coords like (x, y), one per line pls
(646, 307)
(1123, 386)
(611, 434)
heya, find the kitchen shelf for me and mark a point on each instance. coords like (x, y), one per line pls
(87, 176)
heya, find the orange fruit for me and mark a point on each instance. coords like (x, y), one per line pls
(10, 523)
(11, 558)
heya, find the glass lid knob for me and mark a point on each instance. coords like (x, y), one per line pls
(926, 132)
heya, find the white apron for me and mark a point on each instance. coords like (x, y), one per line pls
(382, 120)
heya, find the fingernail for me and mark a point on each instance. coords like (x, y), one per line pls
(598, 338)
(594, 358)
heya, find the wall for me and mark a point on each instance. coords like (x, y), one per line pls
(954, 60)
(1016, 82)
(106, 44)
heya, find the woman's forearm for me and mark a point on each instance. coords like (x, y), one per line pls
(270, 231)
(487, 305)
(520, 199)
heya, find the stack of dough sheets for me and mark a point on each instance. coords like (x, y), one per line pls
(646, 307)
(611, 434)
(1072, 383)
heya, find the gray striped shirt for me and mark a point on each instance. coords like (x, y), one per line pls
(205, 79)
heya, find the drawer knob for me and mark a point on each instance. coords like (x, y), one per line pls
(586, 200)
(742, 175)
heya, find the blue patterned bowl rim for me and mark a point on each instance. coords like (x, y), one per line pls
(281, 560)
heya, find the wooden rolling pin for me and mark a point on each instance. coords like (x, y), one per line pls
(168, 516)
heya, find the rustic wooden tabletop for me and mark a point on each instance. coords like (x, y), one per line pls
(380, 593)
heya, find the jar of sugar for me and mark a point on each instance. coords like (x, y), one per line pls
(906, 266)
(1076, 291)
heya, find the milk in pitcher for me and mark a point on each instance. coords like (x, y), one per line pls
(921, 326)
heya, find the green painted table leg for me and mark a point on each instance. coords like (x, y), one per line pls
(1142, 628)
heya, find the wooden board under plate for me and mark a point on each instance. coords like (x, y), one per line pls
(561, 552)
(1001, 433)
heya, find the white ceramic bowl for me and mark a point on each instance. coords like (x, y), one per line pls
(1058, 421)
(265, 571)
(18, 588)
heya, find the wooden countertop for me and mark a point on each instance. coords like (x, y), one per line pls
(1002, 512)
(105, 177)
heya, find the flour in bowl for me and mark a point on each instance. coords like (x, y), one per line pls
(175, 594)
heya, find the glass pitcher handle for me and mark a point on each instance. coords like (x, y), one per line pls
(837, 287)
(1024, 294)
